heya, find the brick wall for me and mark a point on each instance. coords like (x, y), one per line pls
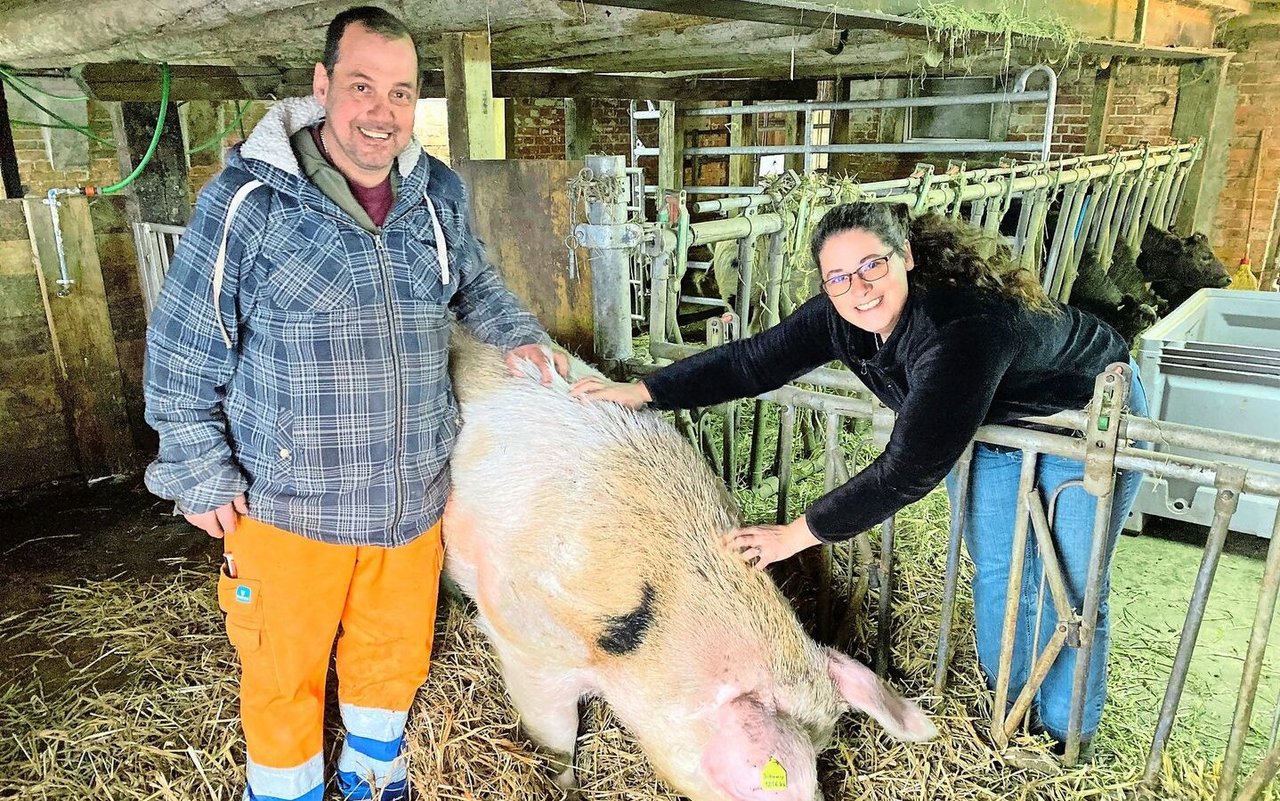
(539, 127)
(1076, 90)
(1252, 73)
(38, 174)
(1143, 97)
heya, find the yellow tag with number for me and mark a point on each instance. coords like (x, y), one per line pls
(774, 776)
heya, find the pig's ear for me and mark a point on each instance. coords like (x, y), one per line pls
(755, 755)
(862, 689)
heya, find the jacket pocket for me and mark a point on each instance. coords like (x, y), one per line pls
(310, 270)
(241, 600)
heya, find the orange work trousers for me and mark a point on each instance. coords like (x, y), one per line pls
(284, 608)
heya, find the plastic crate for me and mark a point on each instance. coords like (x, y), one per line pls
(1214, 362)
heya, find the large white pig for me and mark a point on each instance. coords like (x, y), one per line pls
(588, 536)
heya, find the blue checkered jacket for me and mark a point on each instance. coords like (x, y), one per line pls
(315, 376)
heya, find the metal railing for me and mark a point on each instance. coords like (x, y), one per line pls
(1102, 198)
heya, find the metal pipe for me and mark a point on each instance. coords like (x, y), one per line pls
(1180, 435)
(1016, 96)
(1013, 596)
(1089, 621)
(1051, 96)
(64, 276)
(659, 265)
(872, 147)
(1261, 776)
(1252, 670)
(1230, 481)
(958, 506)
(786, 444)
(610, 261)
(884, 622)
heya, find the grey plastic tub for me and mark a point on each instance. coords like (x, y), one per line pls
(1214, 362)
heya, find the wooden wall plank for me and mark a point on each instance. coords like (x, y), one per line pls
(84, 342)
(521, 211)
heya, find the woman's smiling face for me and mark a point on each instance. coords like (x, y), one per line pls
(865, 279)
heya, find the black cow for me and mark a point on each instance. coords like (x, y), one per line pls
(1123, 306)
(1177, 267)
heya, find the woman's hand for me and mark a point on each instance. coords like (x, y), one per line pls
(764, 545)
(632, 396)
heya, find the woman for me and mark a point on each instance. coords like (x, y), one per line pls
(940, 324)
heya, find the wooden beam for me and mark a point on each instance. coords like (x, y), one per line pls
(469, 91)
(579, 128)
(85, 347)
(1205, 109)
(742, 133)
(827, 17)
(670, 148)
(1103, 83)
(10, 183)
(140, 82)
(781, 12)
(160, 193)
(794, 133)
(838, 163)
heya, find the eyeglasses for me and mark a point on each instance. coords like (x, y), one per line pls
(872, 270)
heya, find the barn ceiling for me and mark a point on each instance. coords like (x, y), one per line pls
(764, 38)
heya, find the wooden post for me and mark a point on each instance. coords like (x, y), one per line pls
(12, 185)
(742, 133)
(160, 192)
(838, 163)
(670, 148)
(794, 136)
(579, 128)
(468, 88)
(509, 141)
(83, 341)
(1103, 82)
(1206, 109)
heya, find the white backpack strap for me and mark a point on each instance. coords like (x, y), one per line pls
(220, 263)
(442, 248)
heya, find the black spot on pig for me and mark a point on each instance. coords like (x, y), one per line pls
(624, 633)
(1177, 267)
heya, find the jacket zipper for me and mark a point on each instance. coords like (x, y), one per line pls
(384, 267)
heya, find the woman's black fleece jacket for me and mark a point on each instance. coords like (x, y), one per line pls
(958, 357)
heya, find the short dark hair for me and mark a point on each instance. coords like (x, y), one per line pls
(377, 20)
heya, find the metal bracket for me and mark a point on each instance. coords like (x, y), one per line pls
(1110, 398)
(924, 172)
(608, 237)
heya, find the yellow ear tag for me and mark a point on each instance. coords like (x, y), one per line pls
(773, 776)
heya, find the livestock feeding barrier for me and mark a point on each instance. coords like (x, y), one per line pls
(1102, 199)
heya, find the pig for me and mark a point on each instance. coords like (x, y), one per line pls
(588, 537)
(1177, 267)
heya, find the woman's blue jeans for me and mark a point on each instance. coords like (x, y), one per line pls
(988, 536)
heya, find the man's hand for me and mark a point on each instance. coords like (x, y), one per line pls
(765, 545)
(222, 520)
(632, 396)
(538, 355)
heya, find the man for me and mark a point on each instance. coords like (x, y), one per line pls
(297, 374)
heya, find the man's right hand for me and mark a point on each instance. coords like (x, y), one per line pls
(222, 520)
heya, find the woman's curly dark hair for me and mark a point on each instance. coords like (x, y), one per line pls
(946, 251)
